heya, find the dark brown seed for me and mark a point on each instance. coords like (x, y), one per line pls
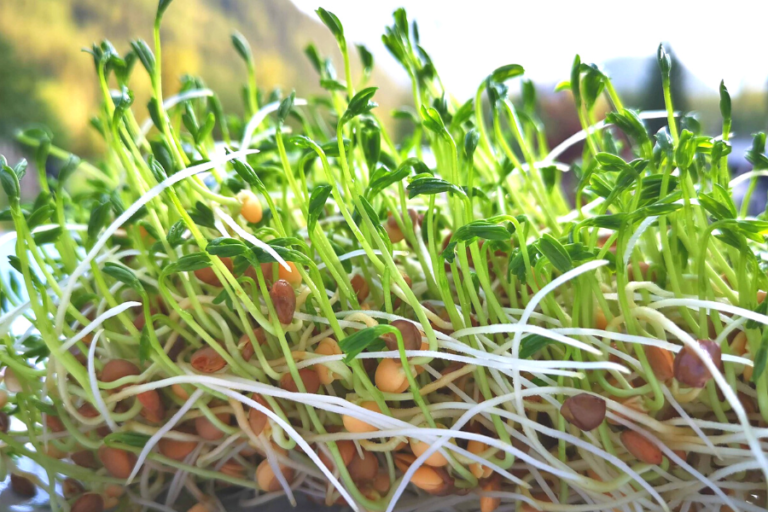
(308, 377)
(284, 299)
(5, 422)
(85, 459)
(207, 360)
(22, 486)
(54, 424)
(90, 502)
(71, 488)
(585, 411)
(690, 370)
(360, 287)
(409, 332)
(117, 369)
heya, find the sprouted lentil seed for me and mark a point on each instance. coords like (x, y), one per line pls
(335, 312)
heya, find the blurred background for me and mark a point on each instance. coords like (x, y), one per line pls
(45, 78)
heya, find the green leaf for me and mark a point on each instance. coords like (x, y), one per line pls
(715, 207)
(202, 215)
(507, 72)
(145, 55)
(40, 215)
(122, 274)
(330, 84)
(176, 233)
(10, 183)
(43, 407)
(242, 47)
(317, 200)
(334, 25)
(67, 170)
(761, 358)
(556, 253)
(665, 62)
(360, 104)
(628, 122)
(725, 102)
(356, 343)
(133, 439)
(226, 247)
(192, 262)
(611, 163)
(371, 142)
(532, 344)
(431, 186)
(576, 81)
(314, 57)
(366, 58)
(483, 229)
(471, 140)
(285, 107)
(145, 347)
(762, 309)
(432, 120)
(48, 236)
(98, 219)
(605, 221)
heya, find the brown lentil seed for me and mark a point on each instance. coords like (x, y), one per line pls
(641, 448)
(409, 332)
(22, 486)
(690, 370)
(308, 377)
(207, 360)
(117, 369)
(584, 411)
(662, 362)
(90, 502)
(360, 287)
(363, 469)
(284, 300)
(5, 422)
(207, 430)
(85, 459)
(266, 478)
(176, 449)
(71, 488)
(257, 419)
(119, 463)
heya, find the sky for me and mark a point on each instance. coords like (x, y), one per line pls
(469, 38)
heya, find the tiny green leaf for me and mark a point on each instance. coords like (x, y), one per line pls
(356, 343)
(532, 344)
(122, 274)
(285, 107)
(556, 253)
(226, 247)
(725, 102)
(334, 25)
(192, 262)
(317, 202)
(242, 47)
(431, 186)
(665, 61)
(507, 72)
(359, 104)
(133, 439)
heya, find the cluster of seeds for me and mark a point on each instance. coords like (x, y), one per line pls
(293, 303)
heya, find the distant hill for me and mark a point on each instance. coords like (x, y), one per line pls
(43, 39)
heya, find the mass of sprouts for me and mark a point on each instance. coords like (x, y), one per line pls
(296, 301)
